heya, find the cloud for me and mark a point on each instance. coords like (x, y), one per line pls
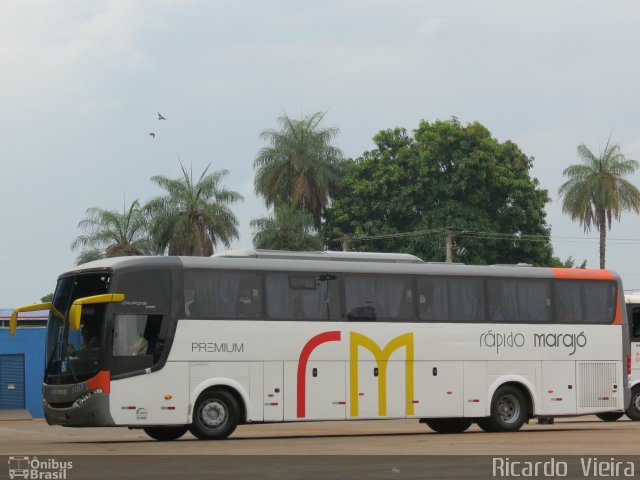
(94, 106)
(431, 26)
(70, 44)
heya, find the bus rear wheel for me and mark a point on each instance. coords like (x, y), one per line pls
(609, 416)
(215, 416)
(165, 434)
(633, 412)
(509, 411)
(447, 425)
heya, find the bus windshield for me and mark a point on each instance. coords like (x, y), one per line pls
(75, 356)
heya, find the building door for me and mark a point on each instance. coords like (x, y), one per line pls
(11, 381)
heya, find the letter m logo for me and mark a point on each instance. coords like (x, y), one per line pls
(358, 340)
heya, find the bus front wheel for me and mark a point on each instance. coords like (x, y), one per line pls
(215, 416)
(633, 412)
(447, 425)
(509, 411)
(165, 434)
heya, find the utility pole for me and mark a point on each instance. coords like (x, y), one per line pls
(344, 241)
(448, 240)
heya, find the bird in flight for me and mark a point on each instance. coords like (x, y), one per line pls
(160, 117)
(153, 135)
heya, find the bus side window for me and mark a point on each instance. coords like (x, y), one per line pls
(222, 295)
(384, 298)
(466, 300)
(635, 323)
(518, 300)
(128, 335)
(432, 300)
(301, 296)
(365, 313)
(567, 301)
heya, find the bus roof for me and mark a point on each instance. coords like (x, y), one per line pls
(632, 297)
(321, 255)
(347, 262)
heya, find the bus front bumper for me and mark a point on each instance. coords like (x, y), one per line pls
(83, 409)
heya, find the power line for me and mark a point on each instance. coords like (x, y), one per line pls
(490, 236)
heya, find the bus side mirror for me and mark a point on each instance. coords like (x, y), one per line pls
(75, 312)
(13, 319)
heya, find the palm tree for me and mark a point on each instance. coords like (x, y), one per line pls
(194, 216)
(596, 191)
(300, 166)
(112, 234)
(287, 229)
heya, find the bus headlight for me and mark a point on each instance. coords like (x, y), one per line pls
(86, 397)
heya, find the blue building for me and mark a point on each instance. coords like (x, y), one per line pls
(22, 363)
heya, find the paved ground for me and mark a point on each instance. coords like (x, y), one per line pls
(394, 449)
(572, 436)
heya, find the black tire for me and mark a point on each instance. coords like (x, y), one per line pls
(215, 416)
(448, 425)
(609, 416)
(164, 434)
(509, 410)
(486, 424)
(633, 412)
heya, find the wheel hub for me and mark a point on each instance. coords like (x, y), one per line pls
(508, 408)
(213, 414)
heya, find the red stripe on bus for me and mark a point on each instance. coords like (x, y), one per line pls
(101, 380)
(310, 346)
(618, 318)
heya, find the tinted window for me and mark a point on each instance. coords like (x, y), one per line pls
(222, 295)
(634, 321)
(518, 300)
(369, 298)
(301, 296)
(433, 303)
(140, 323)
(466, 300)
(599, 302)
(585, 302)
(451, 299)
(145, 291)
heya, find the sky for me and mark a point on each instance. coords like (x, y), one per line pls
(81, 84)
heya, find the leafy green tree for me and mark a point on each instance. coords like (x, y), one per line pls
(193, 216)
(300, 166)
(47, 298)
(597, 191)
(111, 234)
(568, 263)
(445, 180)
(287, 229)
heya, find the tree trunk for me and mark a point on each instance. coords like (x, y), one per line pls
(199, 245)
(602, 227)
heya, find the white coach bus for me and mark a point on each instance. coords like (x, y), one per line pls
(632, 300)
(170, 344)
(633, 314)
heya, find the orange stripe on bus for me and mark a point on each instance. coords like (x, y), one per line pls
(582, 274)
(101, 380)
(618, 318)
